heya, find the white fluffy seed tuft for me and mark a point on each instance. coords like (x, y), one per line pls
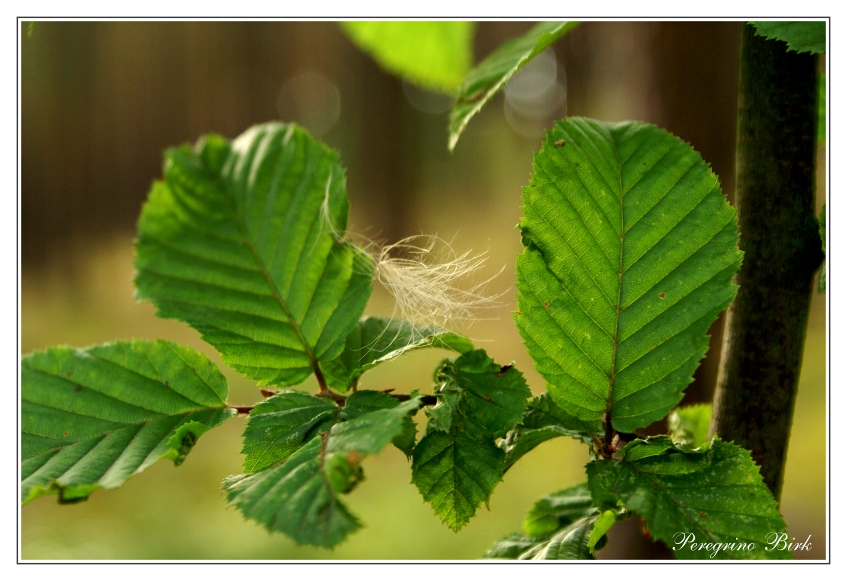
(425, 276)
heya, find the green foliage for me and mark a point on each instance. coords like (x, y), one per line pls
(375, 340)
(244, 242)
(457, 463)
(93, 417)
(563, 526)
(299, 497)
(630, 249)
(715, 494)
(435, 55)
(280, 425)
(800, 36)
(490, 75)
(822, 228)
(689, 426)
(543, 420)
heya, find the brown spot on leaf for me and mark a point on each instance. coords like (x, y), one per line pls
(65, 433)
(353, 458)
(702, 515)
(661, 295)
(559, 142)
(546, 305)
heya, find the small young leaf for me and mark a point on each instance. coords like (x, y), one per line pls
(543, 420)
(282, 424)
(435, 55)
(245, 243)
(93, 417)
(822, 228)
(630, 250)
(456, 473)
(375, 340)
(491, 74)
(689, 426)
(693, 500)
(300, 496)
(800, 36)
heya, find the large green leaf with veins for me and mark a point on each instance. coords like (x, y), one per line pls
(93, 417)
(244, 242)
(375, 340)
(436, 55)
(714, 494)
(630, 250)
(490, 75)
(800, 36)
(300, 496)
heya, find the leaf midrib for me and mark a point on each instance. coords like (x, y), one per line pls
(614, 337)
(263, 270)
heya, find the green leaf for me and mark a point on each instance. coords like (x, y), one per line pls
(562, 526)
(630, 250)
(489, 399)
(543, 420)
(94, 417)
(689, 426)
(457, 464)
(300, 497)
(363, 402)
(436, 55)
(693, 500)
(281, 425)
(244, 242)
(491, 74)
(822, 228)
(375, 340)
(558, 510)
(800, 36)
(456, 473)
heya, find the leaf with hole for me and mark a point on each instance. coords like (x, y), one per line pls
(630, 250)
(244, 242)
(94, 417)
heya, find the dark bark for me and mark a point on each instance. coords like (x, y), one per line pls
(775, 198)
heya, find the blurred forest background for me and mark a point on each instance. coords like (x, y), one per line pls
(101, 100)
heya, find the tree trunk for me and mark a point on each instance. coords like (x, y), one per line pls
(775, 198)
